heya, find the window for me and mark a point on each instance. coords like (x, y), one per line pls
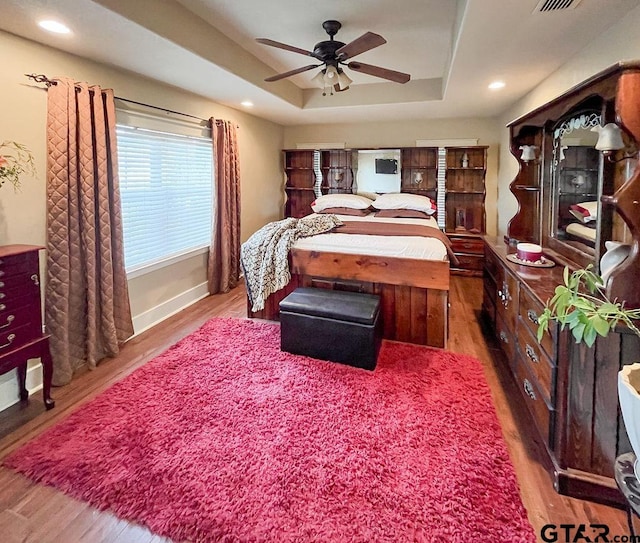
(166, 187)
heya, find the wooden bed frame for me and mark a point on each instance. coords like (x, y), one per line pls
(414, 293)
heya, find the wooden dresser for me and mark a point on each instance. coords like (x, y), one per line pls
(21, 333)
(570, 390)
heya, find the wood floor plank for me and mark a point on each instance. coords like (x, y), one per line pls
(30, 512)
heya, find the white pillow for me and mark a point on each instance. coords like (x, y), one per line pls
(352, 201)
(585, 211)
(400, 200)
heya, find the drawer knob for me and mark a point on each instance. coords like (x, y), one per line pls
(528, 388)
(1, 273)
(10, 339)
(34, 278)
(503, 337)
(504, 295)
(532, 316)
(531, 354)
(2, 295)
(1, 284)
(2, 307)
(10, 319)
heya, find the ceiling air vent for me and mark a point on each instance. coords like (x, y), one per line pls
(556, 5)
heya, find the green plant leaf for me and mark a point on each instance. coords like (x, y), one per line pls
(543, 323)
(578, 331)
(600, 325)
(589, 335)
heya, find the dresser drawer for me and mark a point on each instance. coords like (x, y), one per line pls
(22, 280)
(506, 340)
(507, 298)
(470, 262)
(537, 362)
(530, 310)
(15, 338)
(25, 289)
(24, 263)
(21, 316)
(539, 410)
(16, 303)
(490, 264)
(467, 245)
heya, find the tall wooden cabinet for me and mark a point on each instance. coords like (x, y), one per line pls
(21, 333)
(570, 390)
(301, 181)
(466, 169)
(310, 172)
(419, 171)
(337, 171)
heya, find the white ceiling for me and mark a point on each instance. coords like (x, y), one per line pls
(452, 48)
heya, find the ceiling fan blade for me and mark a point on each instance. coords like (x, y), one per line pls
(272, 43)
(292, 72)
(377, 71)
(364, 43)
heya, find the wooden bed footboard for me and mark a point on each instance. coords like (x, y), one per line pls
(414, 293)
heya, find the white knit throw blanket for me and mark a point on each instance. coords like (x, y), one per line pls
(264, 256)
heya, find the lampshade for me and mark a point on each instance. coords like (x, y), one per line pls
(332, 77)
(318, 79)
(609, 137)
(528, 152)
(343, 80)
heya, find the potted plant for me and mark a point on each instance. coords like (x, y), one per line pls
(581, 304)
(15, 161)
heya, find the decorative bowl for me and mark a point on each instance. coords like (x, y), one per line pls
(529, 252)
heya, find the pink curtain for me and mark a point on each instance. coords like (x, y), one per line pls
(87, 302)
(223, 268)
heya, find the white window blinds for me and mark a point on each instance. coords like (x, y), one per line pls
(166, 186)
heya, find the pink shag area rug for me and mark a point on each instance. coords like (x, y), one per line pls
(225, 438)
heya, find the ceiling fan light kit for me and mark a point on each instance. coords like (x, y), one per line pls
(334, 54)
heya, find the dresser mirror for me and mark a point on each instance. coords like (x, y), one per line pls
(576, 187)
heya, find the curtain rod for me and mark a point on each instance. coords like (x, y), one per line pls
(41, 78)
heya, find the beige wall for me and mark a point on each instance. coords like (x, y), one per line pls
(405, 134)
(23, 119)
(618, 43)
(23, 213)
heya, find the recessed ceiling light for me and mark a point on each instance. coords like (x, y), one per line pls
(496, 85)
(54, 26)
(247, 103)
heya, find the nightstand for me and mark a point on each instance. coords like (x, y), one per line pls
(469, 249)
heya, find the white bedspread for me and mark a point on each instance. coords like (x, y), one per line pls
(397, 246)
(581, 231)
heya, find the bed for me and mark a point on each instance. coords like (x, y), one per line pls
(410, 276)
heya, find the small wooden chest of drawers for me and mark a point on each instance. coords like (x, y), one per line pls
(469, 250)
(21, 333)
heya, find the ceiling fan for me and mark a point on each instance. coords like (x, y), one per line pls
(333, 55)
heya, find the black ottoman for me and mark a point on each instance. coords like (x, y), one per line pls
(332, 325)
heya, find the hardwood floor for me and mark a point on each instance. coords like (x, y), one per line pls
(35, 513)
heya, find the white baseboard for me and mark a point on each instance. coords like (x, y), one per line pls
(156, 314)
(9, 381)
(9, 386)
